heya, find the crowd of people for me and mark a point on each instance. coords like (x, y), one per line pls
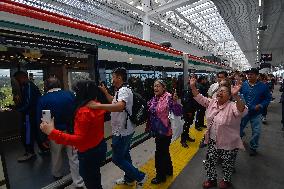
(77, 126)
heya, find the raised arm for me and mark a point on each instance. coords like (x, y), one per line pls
(104, 90)
(192, 83)
(235, 91)
(203, 101)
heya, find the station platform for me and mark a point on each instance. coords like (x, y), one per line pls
(263, 171)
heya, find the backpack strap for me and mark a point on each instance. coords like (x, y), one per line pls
(116, 98)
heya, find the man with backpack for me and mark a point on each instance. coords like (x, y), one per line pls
(122, 127)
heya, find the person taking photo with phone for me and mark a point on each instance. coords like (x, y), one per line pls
(88, 134)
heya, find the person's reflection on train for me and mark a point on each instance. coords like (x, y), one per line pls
(61, 104)
(30, 94)
(159, 125)
(88, 135)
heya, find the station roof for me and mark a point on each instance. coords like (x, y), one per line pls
(225, 28)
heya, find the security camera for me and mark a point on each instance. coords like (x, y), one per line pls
(262, 28)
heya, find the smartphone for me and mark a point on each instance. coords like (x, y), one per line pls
(46, 116)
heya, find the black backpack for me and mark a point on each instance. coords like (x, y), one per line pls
(139, 109)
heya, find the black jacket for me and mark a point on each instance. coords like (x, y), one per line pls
(188, 102)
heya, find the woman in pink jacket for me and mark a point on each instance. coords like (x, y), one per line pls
(223, 134)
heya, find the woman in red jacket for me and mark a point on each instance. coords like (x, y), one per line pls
(88, 135)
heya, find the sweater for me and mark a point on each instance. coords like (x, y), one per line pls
(61, 105)
(88, 130)
(159, 109)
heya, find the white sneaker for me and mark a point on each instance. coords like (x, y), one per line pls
(264, 120)
(73, 186)
(141, 183)
(121, 181)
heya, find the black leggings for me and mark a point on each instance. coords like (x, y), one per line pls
(163, 162)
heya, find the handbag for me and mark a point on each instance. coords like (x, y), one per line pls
(176, 125)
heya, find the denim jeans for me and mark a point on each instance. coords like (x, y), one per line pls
(255, 121)
(121, 158)
(90, 163)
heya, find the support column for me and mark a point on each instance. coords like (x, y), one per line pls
(102, 72)
(93, 64)
(164, 75)
(185, 71)
(146, 20)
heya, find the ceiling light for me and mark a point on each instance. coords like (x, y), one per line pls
(258, 20)
(259, 3)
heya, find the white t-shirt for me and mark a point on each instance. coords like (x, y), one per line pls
(118, 119)
(213, 89)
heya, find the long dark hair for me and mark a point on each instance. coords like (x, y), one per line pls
(86, 90)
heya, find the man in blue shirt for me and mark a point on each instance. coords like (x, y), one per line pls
(257, 96)
(61, 104)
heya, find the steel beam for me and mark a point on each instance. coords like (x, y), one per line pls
(193, 25)
(171, 6)
(130, 7)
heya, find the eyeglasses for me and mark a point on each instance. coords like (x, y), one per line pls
(223, 91)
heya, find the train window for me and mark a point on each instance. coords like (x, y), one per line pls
(75, 76)
(36, 76)
(6, 97)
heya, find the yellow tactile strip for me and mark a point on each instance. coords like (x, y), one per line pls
(180, 158)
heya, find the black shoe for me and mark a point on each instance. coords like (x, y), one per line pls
(183, 144)
(203, 126)
(44, 152)
(253, 152)
(170, 173)
(157, 180)
(26, 157)
(191, 139)
(57, 178)
(198, 128)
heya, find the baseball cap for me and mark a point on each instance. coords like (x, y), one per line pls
(253, 70)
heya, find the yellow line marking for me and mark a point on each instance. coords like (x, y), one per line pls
(180, 158)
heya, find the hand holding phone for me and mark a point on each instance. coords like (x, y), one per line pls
(46, 116)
